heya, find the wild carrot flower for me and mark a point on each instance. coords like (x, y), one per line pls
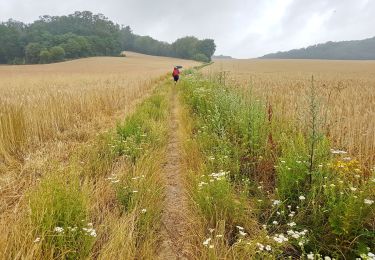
(368, 202)
(302, 197)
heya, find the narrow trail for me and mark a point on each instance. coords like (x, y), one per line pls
(174, 216)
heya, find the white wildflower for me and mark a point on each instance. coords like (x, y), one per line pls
(242, 233)
(291, 224)
(59, 229)
(211, 246)
(207, 241)
(37, 240)
(310, 256)
(276, 202)
(240, 228)
(280, 238)
(275, 222)
(327, 258)
(368, 202)
(144, 210)
(302, 197)
(353, 189)
(338, 151)
(268, 248)
(260, 246)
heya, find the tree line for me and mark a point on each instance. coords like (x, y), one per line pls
(344, 50)
(84, 34)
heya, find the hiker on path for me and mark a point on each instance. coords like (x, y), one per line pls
(176, 74)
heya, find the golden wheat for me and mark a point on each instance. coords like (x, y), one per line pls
(346, 94)
(39, 102)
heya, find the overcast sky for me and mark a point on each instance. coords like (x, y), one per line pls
(242, 29)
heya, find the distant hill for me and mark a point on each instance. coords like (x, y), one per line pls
(344, 50)
(221, 57)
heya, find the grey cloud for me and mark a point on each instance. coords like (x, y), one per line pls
(241, 28)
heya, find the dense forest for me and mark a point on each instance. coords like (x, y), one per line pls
(345, 50)
(84, 34)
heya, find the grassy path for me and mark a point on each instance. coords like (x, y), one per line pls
(174, 215)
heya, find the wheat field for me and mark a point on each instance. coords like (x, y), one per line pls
(49, 112)
(41, 102)
(346, 95)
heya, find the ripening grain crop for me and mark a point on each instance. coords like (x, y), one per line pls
(346, 95)
(40, 102)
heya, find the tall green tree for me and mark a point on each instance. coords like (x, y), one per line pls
(84, 34)
(32, 52)
(57, 53)
(206, 47)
